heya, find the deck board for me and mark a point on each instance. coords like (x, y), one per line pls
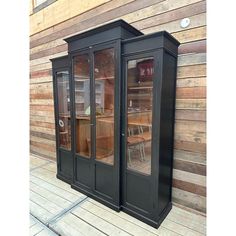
(39, 229)
(166, 226)
(78, 225)
(99, 223)
(113, 217)
(180, 212)
(70, 213)
(45, 232)
(55, 189)
(45, 203)
(32, 221)
(41, 213)
(66, 229)
(133, 225)
(52, 197)
(50, 177)
(191, 223)
(36, 162)
(35, 229)
(51, 167)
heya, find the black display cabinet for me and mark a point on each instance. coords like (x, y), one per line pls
(122, 101)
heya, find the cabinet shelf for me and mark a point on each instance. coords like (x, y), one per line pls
(81, 78)
(105, 78)
(139, 96)
(140, 88)
(63, 82)
(64, 115)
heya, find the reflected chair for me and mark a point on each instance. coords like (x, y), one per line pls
(135, 143)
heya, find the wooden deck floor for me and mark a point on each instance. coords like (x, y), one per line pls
(56, 209)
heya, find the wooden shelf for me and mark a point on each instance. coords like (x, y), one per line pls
(64, 115)
(138, 96)
(63, 82)
(104, 78)
(81, 78)
(139, 87)
(82, 117)
(64, 132)
(142, 111)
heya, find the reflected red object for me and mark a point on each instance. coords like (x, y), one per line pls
(145, 70)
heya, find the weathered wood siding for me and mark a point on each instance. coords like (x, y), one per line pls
(46, 41)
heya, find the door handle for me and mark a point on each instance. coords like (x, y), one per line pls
(123, 134)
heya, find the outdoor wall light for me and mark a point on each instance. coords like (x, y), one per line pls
(184, 23)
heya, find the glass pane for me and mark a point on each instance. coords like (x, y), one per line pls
(82, 105)
(104, 73)
(139, 107)
(63, 92)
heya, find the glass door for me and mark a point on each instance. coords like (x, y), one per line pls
(138, 177)
(63, 124)
(139, 114)
(105, 89)
(104, 75)
(82, 105)
(96, 96)
(63, 98)
(82, 94)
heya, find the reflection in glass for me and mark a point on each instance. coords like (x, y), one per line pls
(104, 74)
(139, 107)
(63, 92)
(82, 104)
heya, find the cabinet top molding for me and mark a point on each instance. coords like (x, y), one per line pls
(129, 36)
(118, 23)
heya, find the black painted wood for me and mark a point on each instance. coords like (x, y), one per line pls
(155, 201)
(105, 33)
(64, 157)
(116, 186)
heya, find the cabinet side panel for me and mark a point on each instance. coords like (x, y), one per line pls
(167, 130)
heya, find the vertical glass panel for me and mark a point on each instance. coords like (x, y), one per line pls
(139, 108)
(82, 105)
(63, 93)
(104, 74)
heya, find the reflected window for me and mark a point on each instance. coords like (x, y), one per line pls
(82, 104)
(139, 107)
(63, 93)
(104, 74)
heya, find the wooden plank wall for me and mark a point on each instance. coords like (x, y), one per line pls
(189, 186)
